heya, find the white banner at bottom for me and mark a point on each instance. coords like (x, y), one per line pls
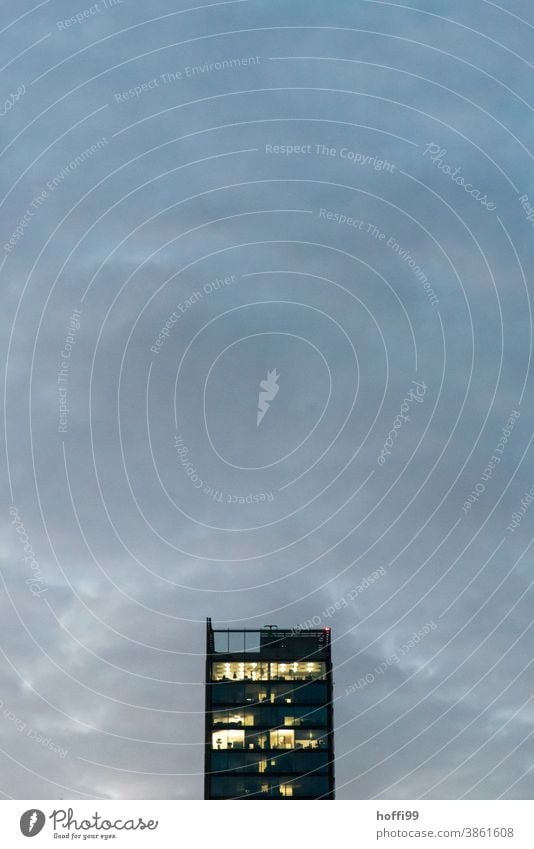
(358, 824)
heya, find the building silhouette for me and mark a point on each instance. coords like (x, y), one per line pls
(269, 715)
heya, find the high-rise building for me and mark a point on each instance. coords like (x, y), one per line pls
(269, 715)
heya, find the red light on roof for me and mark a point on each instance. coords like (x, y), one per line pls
(327, 629)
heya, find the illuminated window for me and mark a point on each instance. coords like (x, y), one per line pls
(297, 671)
(310, 740)
(258, 671)
(231, 739)
(292, 720)
(256, 741)
(238, 671)
(232, 717)
(282, 739)
(286, 789)
(262, 766)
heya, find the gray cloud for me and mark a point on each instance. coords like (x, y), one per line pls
(106, 664)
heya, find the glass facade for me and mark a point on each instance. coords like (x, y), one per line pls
(257, 671)
(269, 724)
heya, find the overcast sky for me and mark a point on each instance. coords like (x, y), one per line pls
(339, 194)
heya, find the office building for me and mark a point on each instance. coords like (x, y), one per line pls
(269, 715)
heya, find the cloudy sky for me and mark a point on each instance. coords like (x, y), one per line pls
(193, 196)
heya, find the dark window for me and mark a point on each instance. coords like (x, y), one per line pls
(269, 787)
(228, 694)
(221, 641)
